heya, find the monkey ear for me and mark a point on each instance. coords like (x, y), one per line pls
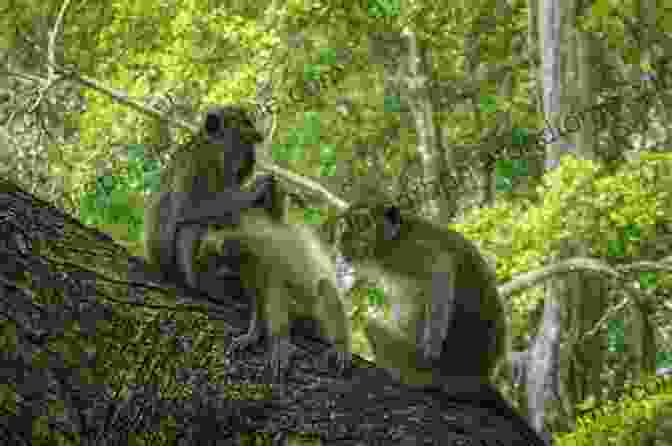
(391, 223)
(212, 123)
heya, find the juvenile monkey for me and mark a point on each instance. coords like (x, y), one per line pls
(201, 185)
(292, 277)
(454, 321)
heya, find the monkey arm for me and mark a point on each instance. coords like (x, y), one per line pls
(276, 307)
(160, 231)
(441, 307)
(186, 241)
(334, 320)
(225, 207)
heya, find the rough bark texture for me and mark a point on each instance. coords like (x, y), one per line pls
(45, 250)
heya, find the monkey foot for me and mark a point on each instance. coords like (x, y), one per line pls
(343, 359)
(281, 355)
(243, 342)
(264, 186)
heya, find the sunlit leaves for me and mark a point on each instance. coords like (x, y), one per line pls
(384, 8)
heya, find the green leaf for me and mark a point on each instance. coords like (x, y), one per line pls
(488, 104)
(616, 335)
(327, 153)
(327, 56)
(392, 104)
(648, 279)
(376, 297)
(328, 170)
(632, 232)
(616, 248)
(384, 8)
(311, 72)
(135, 152)
(312, 216)
(600, 8)
(519, 136)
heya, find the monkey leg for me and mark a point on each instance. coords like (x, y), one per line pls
(334, 321)
(225, 207)
(187, 240)
(254, 282)
(441, 308)
(396, 354)
(255, 332)
(278, 312)
(160, 231)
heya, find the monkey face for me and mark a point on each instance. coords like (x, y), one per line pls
(231, 129)
(222, 119)
(363, 230)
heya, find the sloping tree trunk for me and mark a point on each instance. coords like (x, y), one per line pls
(111, 341)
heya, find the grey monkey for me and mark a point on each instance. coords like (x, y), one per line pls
(201, 186)
(454, 321)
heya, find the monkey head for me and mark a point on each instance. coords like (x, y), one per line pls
(232, 128)
(364, 231)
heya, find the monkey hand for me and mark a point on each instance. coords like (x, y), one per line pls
(251, 338)
(281, 355)
(264, 187)
(342, 356)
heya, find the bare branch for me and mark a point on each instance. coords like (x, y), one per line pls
(533, 278)
(308, 185)
(51, 50)
(52, 79)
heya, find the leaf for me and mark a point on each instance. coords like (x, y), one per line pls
(519, 136)
(600, 9)
(376, 297)
(488, 104)
(392, 103)
(648, 279)
(312, 216)
(327, 56)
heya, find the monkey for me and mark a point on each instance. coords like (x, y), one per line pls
(455, 328)
(293, 278)
(202, 186)
(454, 320)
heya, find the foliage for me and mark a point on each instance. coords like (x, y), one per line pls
(215, 52)
(615, 213)
(635, 417)
(116, 204)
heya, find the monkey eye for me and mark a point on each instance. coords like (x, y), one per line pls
(211, 123)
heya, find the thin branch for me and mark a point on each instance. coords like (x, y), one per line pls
(51, 50)
(533, 278)
(52, 79)
(291, 177)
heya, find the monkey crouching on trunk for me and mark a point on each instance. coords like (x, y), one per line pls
(453, 320)
(292, 277)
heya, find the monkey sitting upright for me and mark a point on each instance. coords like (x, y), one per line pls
(202, 186)
(454, 322)
(293, 278)
(455, 328)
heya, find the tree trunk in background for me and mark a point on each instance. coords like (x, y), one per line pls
(640, 339)
(417, 74)
(586, 56)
